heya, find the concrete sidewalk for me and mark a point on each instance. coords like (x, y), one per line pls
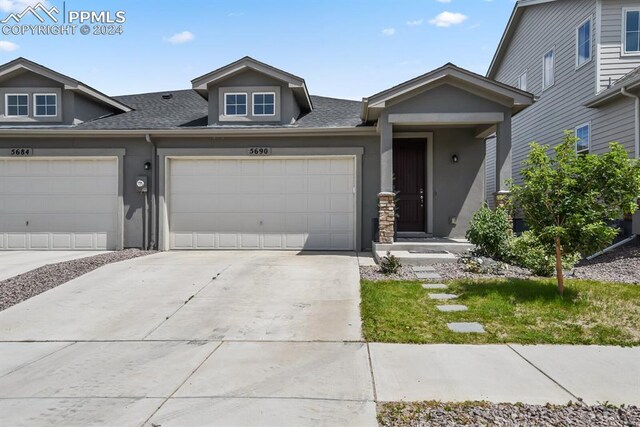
(187, 383)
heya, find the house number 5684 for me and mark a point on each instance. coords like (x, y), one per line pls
(20, 152)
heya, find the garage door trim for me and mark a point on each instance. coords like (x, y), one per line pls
(85, 153)
(166, 155)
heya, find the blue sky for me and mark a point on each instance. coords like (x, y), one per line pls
(347, 49)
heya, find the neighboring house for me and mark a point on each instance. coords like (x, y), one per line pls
(581, 59)
(246, 159)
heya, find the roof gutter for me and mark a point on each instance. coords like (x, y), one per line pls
(636, 120)
(231, 133)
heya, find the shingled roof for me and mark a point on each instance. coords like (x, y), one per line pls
(185, 109)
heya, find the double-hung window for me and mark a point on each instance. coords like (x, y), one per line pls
(46, 104)
(235, 104)
(16, 105)
(583, 133)
(264, 104)
(583, 43)
(631, 31)
(522, 82)
(548, 69)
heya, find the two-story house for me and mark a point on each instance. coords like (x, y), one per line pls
(581, 60)
(246, 158)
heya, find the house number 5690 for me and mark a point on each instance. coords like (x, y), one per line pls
(259, 151)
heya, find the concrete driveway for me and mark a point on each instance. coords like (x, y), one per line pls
(192, 338)
(13, 263)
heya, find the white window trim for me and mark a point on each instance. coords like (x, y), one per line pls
(553, 68)
(225, 104)
(253, 103)
(6, 104)
(35, 109)
(590, 21)
(575, 132)
(623, 46)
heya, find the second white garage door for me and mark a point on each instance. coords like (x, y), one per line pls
(291, 203)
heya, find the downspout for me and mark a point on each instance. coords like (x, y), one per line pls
(152, 184)
(624, 92)
(636, 120)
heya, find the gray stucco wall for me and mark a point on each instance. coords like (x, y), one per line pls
(458, 187)
(288, 106)
(138, 151)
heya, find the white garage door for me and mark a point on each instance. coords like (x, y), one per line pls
(67, 203)
(270, 203)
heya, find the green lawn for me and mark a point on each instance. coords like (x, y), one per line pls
(512, 311)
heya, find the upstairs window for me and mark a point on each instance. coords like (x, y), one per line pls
(583, 133)
(522, 82)
(264, 104)
(17, 105)
(583, 40)
(548, 69)
(46, 105)
(235, 104)
(632, 31)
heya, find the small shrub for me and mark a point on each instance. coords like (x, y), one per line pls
(490, 232)
(390, 264)
(529, 252)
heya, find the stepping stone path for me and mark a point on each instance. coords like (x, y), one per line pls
(429, 273)
(452, 308)
(426, 273)
(434, 286)
(466, 327)
(443, 296)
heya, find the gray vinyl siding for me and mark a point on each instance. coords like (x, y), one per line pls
(559, 107)
(614, 122)
(613, 64)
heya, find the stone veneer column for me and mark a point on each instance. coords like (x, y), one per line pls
(386, 216)
(501, 198)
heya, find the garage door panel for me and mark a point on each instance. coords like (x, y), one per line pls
(261, 204)
(66, 203)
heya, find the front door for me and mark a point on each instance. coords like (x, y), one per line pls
(409, 183)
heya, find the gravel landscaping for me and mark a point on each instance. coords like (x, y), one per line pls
(457, 271)
(619, 265)
(519, 415)
(20, 288)
(374, 274)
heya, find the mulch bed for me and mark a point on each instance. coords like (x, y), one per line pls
(24, 286)
(439, 414)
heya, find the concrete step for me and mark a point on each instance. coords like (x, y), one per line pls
(417, 260)
(429, 246)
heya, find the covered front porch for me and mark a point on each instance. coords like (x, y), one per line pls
(432, 151)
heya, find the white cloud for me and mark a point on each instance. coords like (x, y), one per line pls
(415, 22)
(7, 46)
(183, 37)
(389, 31)
(447, 19)
(444, 1)
(9, 6)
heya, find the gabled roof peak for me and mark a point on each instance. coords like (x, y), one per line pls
(297, 84)
(23, 64)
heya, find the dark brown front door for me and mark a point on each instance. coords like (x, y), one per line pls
(408, 170)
